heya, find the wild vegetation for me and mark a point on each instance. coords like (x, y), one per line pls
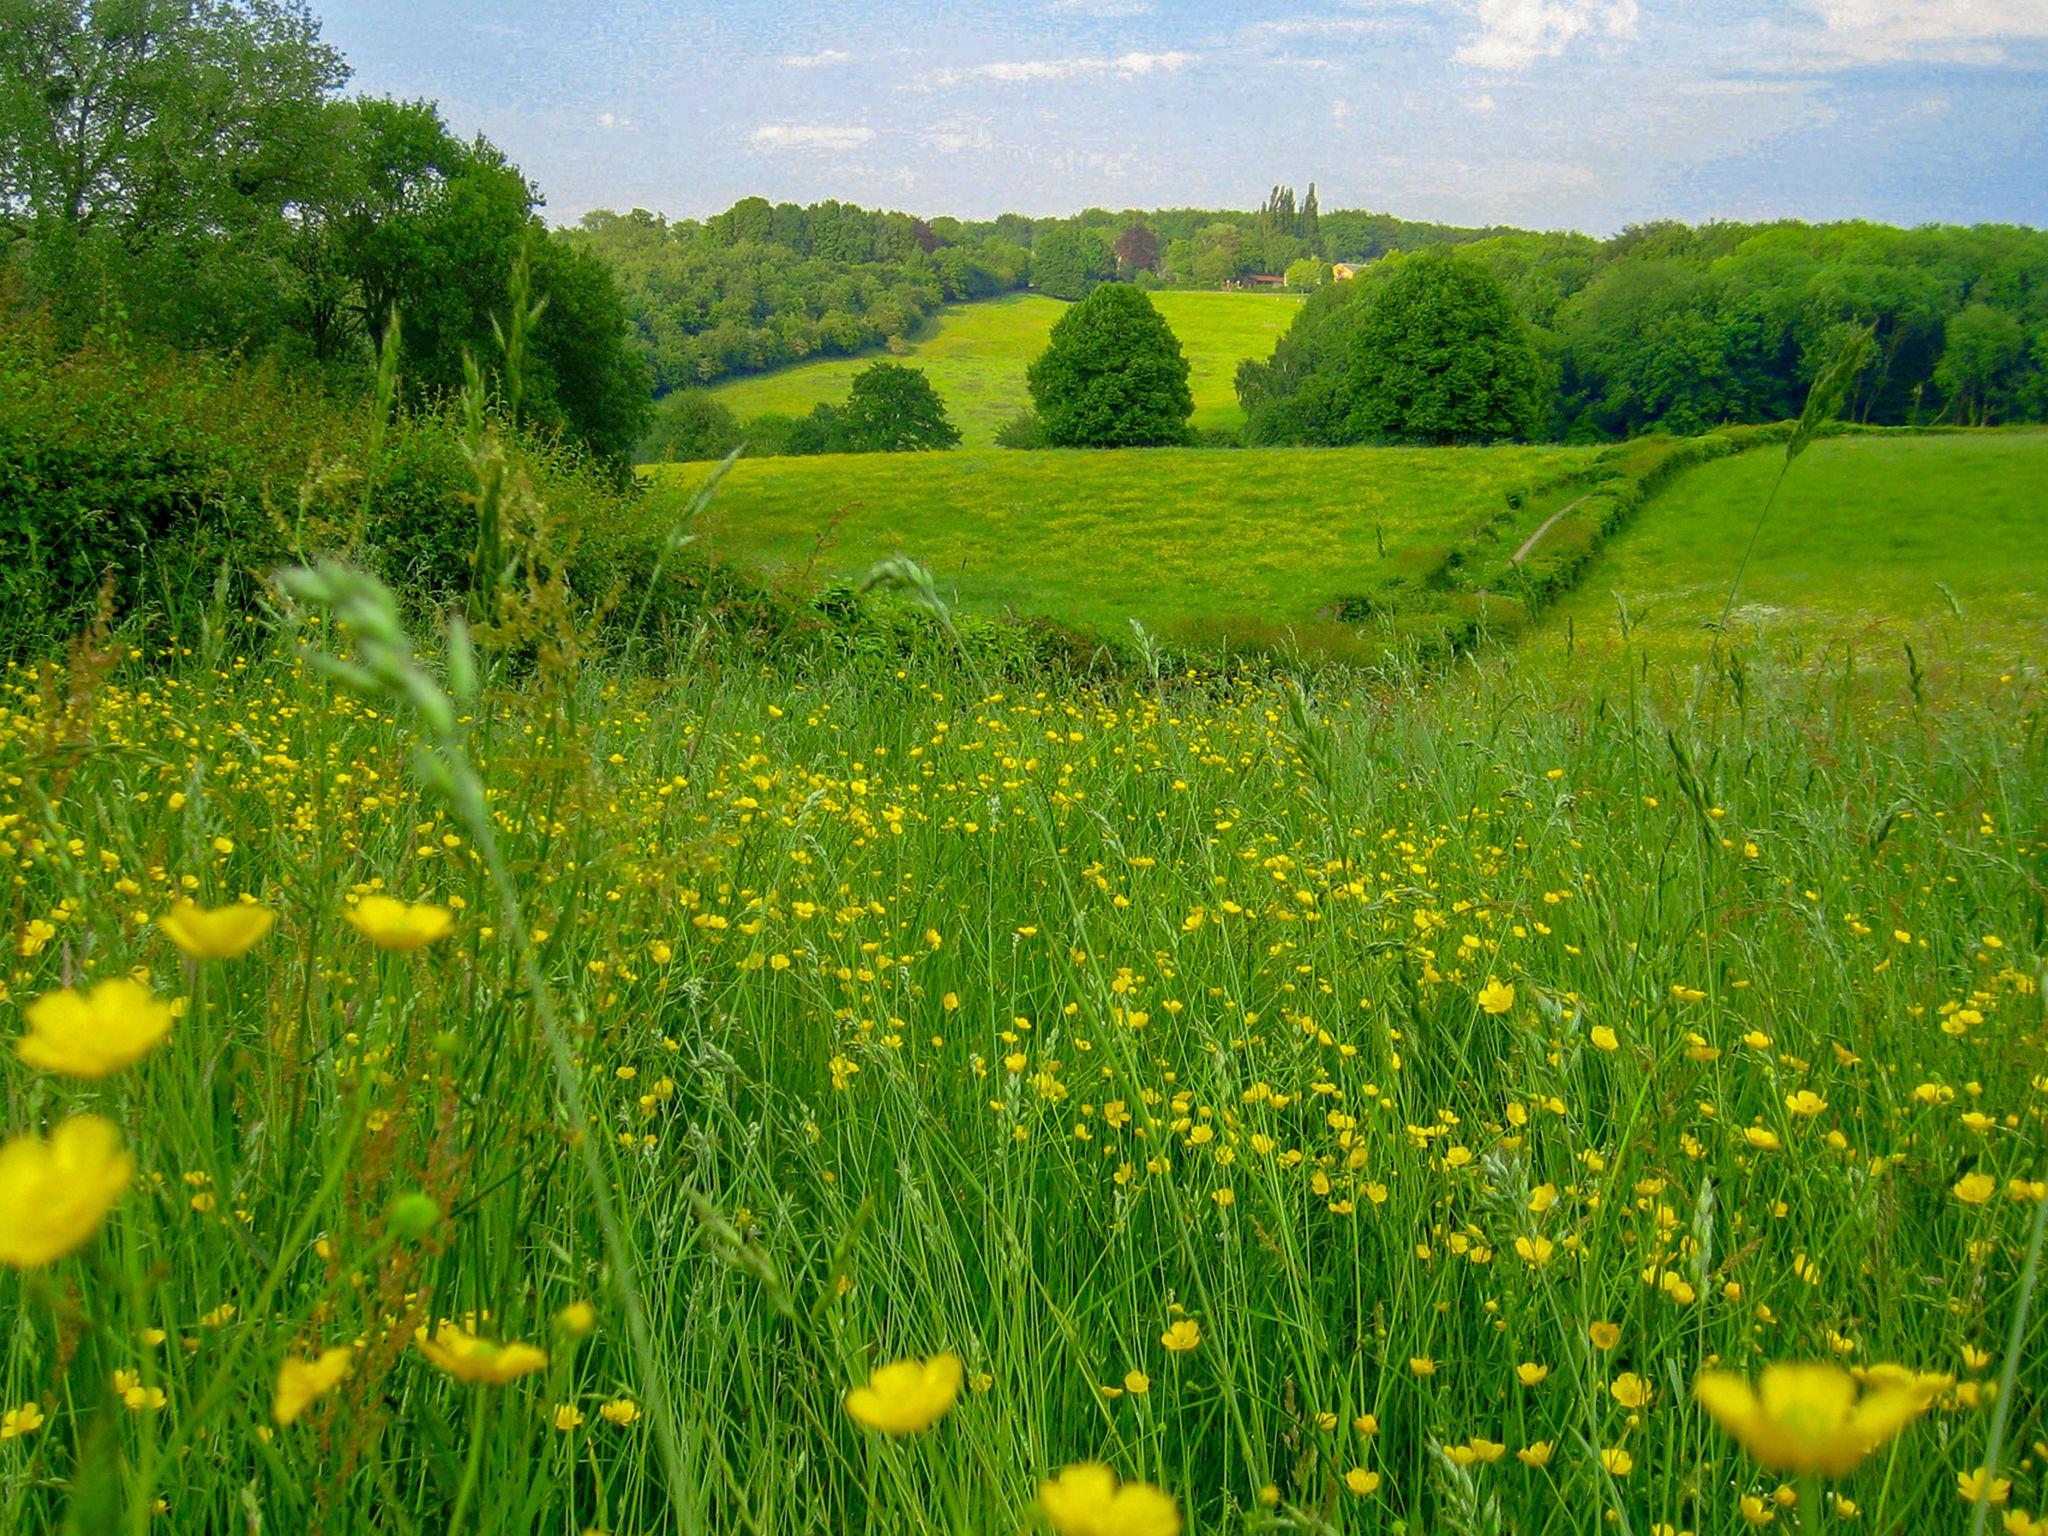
(977, 355)
(1112, 991)
(1681, 330)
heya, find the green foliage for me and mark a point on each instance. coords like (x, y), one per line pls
(690, 424)
(166, 156)
(1676, 329)
(894, 409)
(160, 475)
(977, 355)
(1441, 357)
(1068, 263)
(1112, 376)
(1307, 274)
(1980, 354)
(1023, 430)
(762, 285)
(190, 174)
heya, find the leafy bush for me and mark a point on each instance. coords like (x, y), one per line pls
(152, 474)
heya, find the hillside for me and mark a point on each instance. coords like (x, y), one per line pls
(976, 356)
(1941, 541)
(1173, 537)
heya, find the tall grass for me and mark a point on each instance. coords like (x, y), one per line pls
(910, 1016)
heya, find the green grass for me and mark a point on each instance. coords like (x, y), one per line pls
(908, 1015)
(1167, 536)
(976, 356)
(1939, 541)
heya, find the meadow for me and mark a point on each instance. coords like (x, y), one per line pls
(1171, 537)
(1935, 542)
(1365, 1108)
(976, 356)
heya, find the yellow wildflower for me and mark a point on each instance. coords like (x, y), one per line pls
(1182, 1336)
(54, 1194)
(224, 933)
(93, 1034)
(392, 924)
(301, 1383)
(908, 1395)
(468, 1358)
(1087, 1500)
(1807, 1418)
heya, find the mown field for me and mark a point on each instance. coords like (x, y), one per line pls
(976, 356)
(1939, 542)
(1096, 538)
(1363, 1111)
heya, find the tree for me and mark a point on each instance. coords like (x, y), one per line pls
(161, 144)
(1066, 262)
(1440, 356)
(894, 409)
(1216, 254)
(1309, 227)
(1980, 351)
(689, 425)
(1112, 376)
(1307, 274)
(1137, 249)
(585, 376)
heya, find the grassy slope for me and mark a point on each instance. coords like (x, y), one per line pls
(1865, 535)
(1164, 535)
(976, 355)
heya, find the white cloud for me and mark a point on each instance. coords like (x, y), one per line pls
(960, 136)
(1108, 10)
(816, 60)
(1483, 104)
(1026, 71)
(1965, 31)
(1515, 33)
(816, 138)
(613, 120)
(1340, 111)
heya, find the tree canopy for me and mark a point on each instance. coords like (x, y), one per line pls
(1666, 327)
(1440, 356)
(1112, 375)
(192, 175)
(894, 409)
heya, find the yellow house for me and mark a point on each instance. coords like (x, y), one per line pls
(1342, 271)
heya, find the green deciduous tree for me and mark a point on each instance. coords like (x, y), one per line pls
(1307, 274)
(152, 151)
(1112, 376)
(1067, 262)
(1980, 358)
(1440, 356)
(894, 409)
(690, 425)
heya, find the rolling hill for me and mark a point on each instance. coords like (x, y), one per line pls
(976, 356)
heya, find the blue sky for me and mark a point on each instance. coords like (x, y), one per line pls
(1587, 114)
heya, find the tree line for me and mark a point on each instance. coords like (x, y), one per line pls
(764, 284)
(195, 177)
(1672, 328)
